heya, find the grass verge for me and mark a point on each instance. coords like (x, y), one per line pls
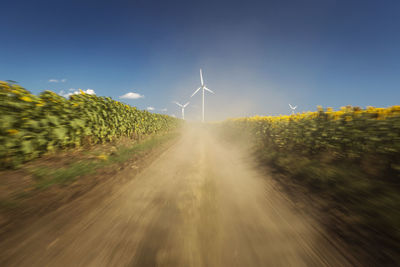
(48, 176)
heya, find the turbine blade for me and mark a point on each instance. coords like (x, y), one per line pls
(186, 104)
(290, 106)
(195, 92)
(178, 104)
(208, 90)
(201, 78)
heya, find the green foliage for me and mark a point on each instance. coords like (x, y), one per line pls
(31, 125)
(351, 134)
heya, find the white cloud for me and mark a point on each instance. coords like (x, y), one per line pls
(131, 95)
(150, 108)
(90, 92)
(173, 115)
(63, 93)
(73, 91)
(163, 109)
(57, 81)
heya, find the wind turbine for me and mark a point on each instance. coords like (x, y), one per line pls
(183, 108)
(203, 87)
(293, 108)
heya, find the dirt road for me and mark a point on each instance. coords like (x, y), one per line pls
(201, 203)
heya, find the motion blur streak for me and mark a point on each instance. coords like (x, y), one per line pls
(201, 203)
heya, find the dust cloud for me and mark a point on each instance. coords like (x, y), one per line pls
(201, 203)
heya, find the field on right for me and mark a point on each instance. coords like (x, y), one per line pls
(349, 158)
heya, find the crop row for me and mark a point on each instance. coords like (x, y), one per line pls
(31, 125)
(350, 133)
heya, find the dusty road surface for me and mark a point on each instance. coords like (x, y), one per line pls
(200, 203)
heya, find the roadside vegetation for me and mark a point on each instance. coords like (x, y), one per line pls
(32, 125)
(349, 157)
(46, 176)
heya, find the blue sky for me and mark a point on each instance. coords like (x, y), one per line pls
(257, 56)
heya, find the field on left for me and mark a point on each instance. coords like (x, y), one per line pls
(54, 149)
(32, 125)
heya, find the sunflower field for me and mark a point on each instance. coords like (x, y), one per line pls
(350, 133)
(349, 157)
(31, 125)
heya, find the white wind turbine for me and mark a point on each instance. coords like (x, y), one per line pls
(203, 87)
(183, 108)
(292, 108)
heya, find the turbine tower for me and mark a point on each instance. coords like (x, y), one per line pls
(183, 108)
(203, 87)
(292, 108)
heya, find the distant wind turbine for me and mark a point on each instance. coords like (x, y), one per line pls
(203, 87)
(183, 108)
(292, 108)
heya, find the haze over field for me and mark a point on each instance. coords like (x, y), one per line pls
(89, 180)
(257, 56)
